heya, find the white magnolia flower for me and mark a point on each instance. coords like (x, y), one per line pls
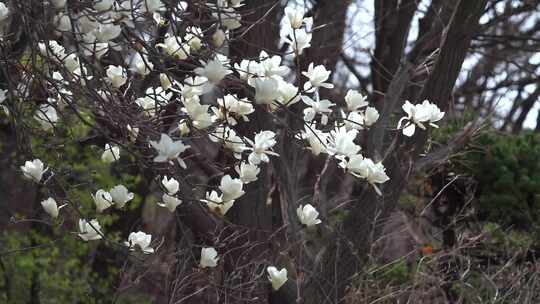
(247, 172)
(4, 11)
(232, 105)
(195, 86)
(215, 203)
(71, 62)
(214, 70)
(141, 65)
(218, 38)
(229, 139)
(173, 46)
(34, 170)
(231, 188)
(116, 75)
(341, 142)
(248, 68)
(171, 185)
(261, 147)
(200, 118)
(52, 49)
(50, 206)
(355, 100)
(62, 22)
(89, 231)
(193, 37)
(103, 5)
(417, 115)
(317, 107)
(154, 97)
(317, 139)
(265, 90)
(371, 115)
(170, 202)
(208, 257)
(133, 132)
(276, 277)
(299, 40)
(169, 149)
(308, 215)
(271, 65)
(141, 240)
(295, 17)
(365, 168)
(110, 154)
(288, 94)
(355, 120)
(317, 77)
(435, 114)
(107, 32)
(102, 199)
(165, 81)
(46, 116)
(183, 127)
(120, 196)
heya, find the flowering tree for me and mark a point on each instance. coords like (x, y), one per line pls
(277, 180)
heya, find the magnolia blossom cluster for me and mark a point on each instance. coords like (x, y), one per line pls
(198, 105)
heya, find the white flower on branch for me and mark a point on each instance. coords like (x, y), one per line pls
(265, 90)
(215, 203)
(373, 173)
(341, 142)
(299, 40)
(170, 202)
(120, 196)
(214, 70)
(229, 139)
(317, 76)
(317, 107)
(209, 257)
(169, 150)
(231, 188)
(110, 154)
(141, 65)
(51, 207)
(276, 277)
(173, 46)
(89, 231)
(271, 65)
(102, 199)
(200, 117)
(170, 184)
(417, 115)
(4, 12)
(355, 100)
(261, 147)
(34, 170)
(116, 76)
(140, 240)
(317, 139)
(308, 215)
(247, 172)
(295, 17)
(46, 116)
